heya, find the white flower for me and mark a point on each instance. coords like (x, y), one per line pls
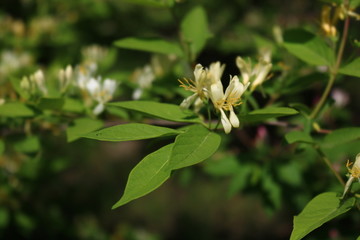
(354, 173)
(144, 78)
(226, 102)
(256, 75)
(101, 91)
(204, 78)
(84, 74)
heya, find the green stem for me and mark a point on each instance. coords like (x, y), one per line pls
(328, 163)
(334, 70)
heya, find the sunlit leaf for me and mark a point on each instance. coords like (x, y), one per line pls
(165, 111)
(341, 136)
(266, 113)
(352, 68)
(28, 144)
(15, 109)
(72, 105)
(148, 175)
(318, 211)
(193, 146)
(150, 45)
(131, 131)
(195, 30)
(297, 136)
(308, 47)
(82, 126)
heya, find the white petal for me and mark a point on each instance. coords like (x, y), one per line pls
(235, 88)
(93, 86)
(109, 86)
(99, 109)
(245, 69)
(137, 93)
(198, 105)
(225, 122)
(198, 71)
(215, 71)
(347, 185)
(234, 120)
(188, 101)
(261, 71)
(216, 92)
(68, 72)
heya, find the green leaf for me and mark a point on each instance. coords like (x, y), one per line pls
(193, 146)
(352, 68)
(28, 144)
(72, 105)
(150, 45)
(195, 30)
(160, 110)
(318, 211)
(354, 3)
(273, 190)
(297, 136)
(131, 131)
(239, 180)
(222, 167)
(341, 136)
(308, 47)
(290, 173)
(15, 109)
(51, 103)
(150, 3)
(266, 113)
(148, 175)
(82, 126)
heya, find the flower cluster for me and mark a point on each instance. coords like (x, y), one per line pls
(330, 16)
(34, 84)
(92, 87)
(208, 86)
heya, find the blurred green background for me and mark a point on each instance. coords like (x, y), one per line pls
(51, 189)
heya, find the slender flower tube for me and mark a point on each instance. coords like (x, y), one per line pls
(354, 173)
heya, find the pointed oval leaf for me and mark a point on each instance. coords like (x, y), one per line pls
(195, 29)
(148, 175)
(15, 109)
(51, 103)
(150, 45)
(308, 47)
(266, 113)
(165, 111)
(352, 68)
(341, 136)
(82, 126)
(318, 211)
(131, 131)
(193, 146)
(297, 136)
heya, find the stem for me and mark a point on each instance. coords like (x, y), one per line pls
(328, 163)
(335, 70)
